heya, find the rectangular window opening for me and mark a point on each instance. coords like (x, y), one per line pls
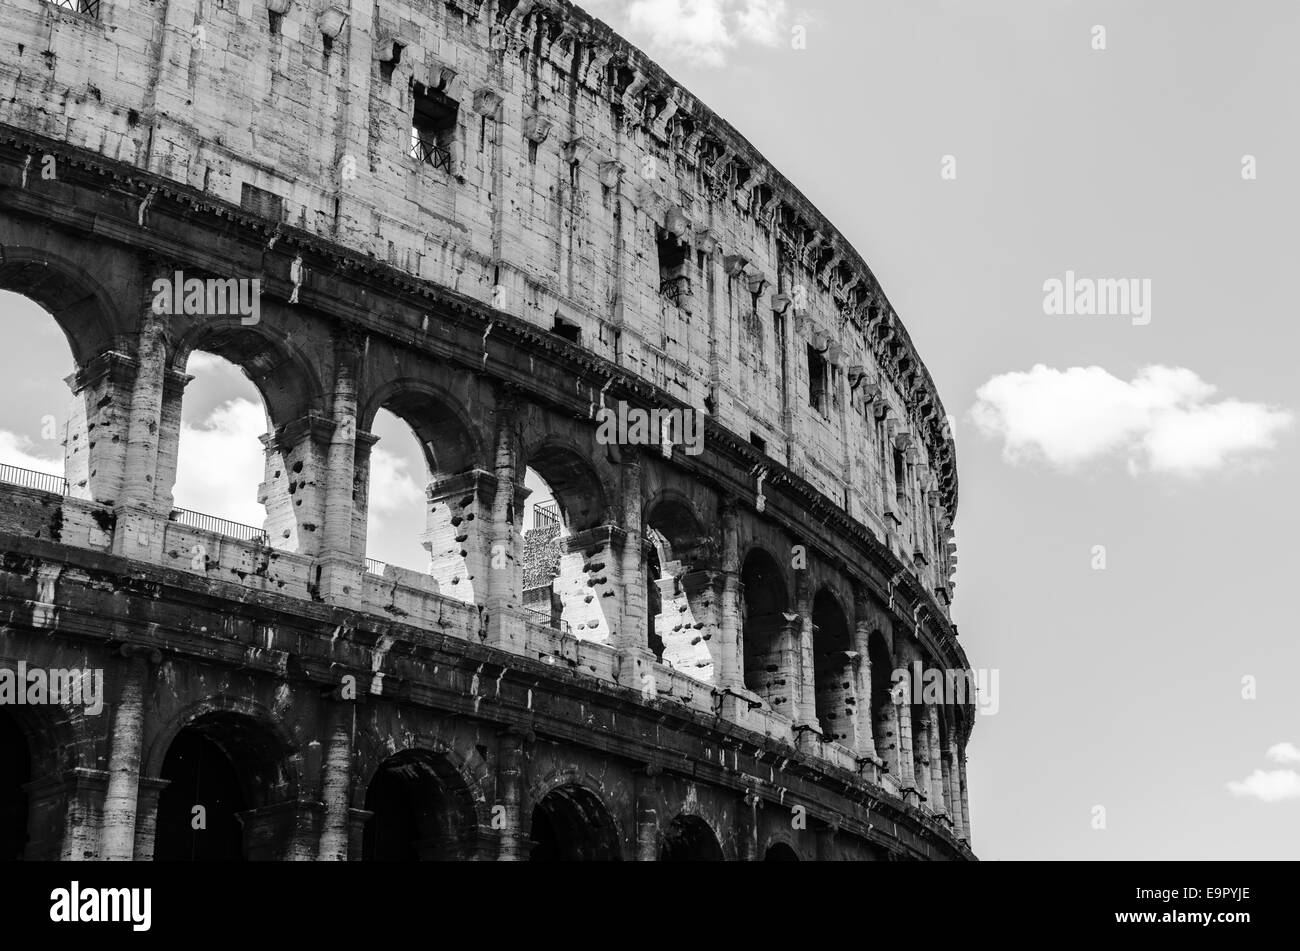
(433, 126)
(674, 258)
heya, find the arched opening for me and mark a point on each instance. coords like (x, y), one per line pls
(34, 408)
(780, 852)
(586, 565)
(836, 700)
(689, 839)
(397, 477)
(768, 641)
(15, 772)
(424, 455)
(571, 824)
(420, 811)
(199, 776)
(883, 710)
(681, 606)
(227, 479)
(233, 767)
(544, 534)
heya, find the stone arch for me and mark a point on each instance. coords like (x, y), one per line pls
(833, 670)
(571, 821)
(587, 550)
(689, 838)
(79, 302)
(251, 775)
(682, 604)
(584, 495)
(884, 712)
(769, 635)
(286, 377)
(451, 440)
(420, 807)
(781, 848)
(457, 486)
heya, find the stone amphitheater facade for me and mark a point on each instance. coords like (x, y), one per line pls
(496, 219)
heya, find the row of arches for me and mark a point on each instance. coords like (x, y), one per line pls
(417, 806)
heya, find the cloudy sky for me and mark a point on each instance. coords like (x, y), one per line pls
(1125, 523)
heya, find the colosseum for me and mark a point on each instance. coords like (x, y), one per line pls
(502, 223)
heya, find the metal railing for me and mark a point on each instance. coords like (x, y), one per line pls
(220, 526)
(546, 515)
(374, 566)
(88, 7)
(676, 289)
(424, 148)
(31, 479)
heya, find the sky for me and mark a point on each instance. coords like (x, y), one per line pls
(1125, 522)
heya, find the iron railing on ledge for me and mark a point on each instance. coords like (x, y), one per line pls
(676, 289)
(220, 526)
(89, 8)
(31, 479)
(374, 566)
(427, 150)
(546, 515)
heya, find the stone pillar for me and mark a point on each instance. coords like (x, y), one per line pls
(340, 567)
(336, 780)
(95, 436)
(801, 671)
(635, 659)
(144, 419)
(510, 794)
(747, 816)
(146, 816)
(647, 815)
(861, 667)
(142, 516)
(826, 843)
(937, 799)
(690, 627)
(589, 583)
(117, 836)
(458, 534)
(902, 708)
(731, 668)
(919, 716)
(965, 803)
(297, 479)
(63, 816)
(952, 790)
(504, 601)
(365, 442)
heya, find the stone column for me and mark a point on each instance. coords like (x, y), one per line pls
(341, 569)
(458, 534)
(336, 779)
(141, 521)
(95, 437)
(117, 836)
(801, 671)
(297, 480)
(589, 583)
(504, 601)
(510, 782)
(748, 826)
(647, 815)
(862, 685)
(63, 816)
(146, 816)
(952, 790)
(965, 803)
(635, 659)
(903, 716)
(937, 799)
(731, 669)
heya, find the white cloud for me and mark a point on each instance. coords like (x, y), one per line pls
(1274, 786)
(392, 487)
(1283, 753)
(222, 463)
(1162, 420)
(18, 450)
(700, 31)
